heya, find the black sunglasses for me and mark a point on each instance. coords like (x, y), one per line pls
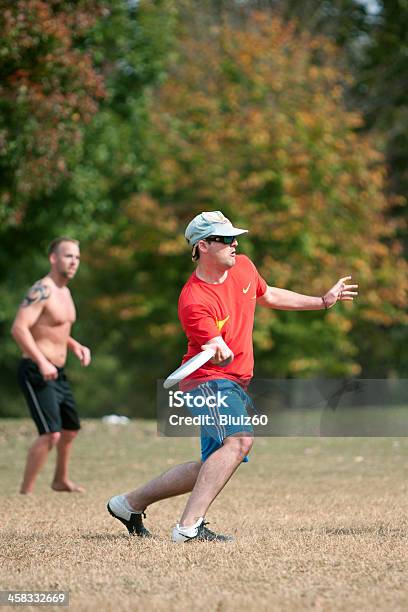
(223, 239)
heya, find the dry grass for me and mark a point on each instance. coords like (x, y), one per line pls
(320, 524)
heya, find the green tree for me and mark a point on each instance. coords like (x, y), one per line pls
(49, 90)
(81, 152)
(380, 91)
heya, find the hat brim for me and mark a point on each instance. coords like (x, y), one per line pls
(224, 229)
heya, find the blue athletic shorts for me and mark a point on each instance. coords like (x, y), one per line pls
(224, 413)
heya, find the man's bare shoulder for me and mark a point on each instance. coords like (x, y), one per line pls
(39, 292)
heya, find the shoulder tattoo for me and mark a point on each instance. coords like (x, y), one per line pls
(38, 293)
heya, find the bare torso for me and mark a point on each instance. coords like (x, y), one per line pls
(53, 328)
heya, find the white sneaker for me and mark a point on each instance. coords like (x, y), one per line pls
(184, 534)
(199, 532)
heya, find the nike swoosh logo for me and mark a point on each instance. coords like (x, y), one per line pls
(247, 289)
(220, 324)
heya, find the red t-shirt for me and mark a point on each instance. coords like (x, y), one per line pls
(206, 310)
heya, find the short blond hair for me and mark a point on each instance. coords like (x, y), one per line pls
(53, 246)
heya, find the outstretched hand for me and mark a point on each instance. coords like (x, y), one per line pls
(341, 291)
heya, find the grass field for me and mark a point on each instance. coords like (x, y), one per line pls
(319, 524)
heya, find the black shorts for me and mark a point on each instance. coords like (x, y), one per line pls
(51, 402)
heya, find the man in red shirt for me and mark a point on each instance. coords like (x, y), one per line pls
(217, 303)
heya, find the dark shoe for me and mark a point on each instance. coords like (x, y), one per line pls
(206, 535)
(132, 521)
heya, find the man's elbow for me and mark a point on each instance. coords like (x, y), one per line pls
(266, 300)
(16, 331)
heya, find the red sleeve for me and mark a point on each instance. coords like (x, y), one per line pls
(261, 284)
(198, 323)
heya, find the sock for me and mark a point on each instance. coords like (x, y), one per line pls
(191, 531)
(127, 505)
(121, 506)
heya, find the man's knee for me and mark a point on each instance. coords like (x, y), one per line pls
(241, 444)
(51, 439)
(196, 466)
(69, 434)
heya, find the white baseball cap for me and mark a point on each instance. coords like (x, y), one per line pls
(210, 224)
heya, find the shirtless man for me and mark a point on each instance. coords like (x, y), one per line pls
(42, 330)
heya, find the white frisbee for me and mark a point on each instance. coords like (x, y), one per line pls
(189, 367)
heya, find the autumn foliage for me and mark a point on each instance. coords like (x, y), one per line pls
(119, 121)
(253, 122)
(49, 89)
